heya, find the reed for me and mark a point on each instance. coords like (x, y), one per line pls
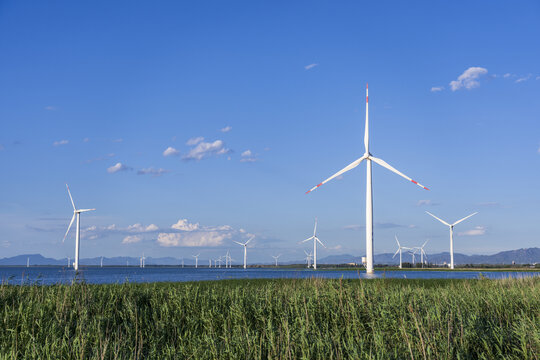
(274, 319)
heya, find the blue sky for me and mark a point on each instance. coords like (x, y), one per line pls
(258, 102)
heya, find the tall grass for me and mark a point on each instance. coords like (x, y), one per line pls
(274, 319)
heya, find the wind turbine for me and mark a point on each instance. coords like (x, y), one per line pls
(245, 250)
(196, 260)
(101, 262)
(369, 190)
(451, 226)
(276, 258)
(400, 248)
(423, 253)
(315, 240)
(308, 258)
(76, 213)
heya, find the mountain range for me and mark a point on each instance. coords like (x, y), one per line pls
(520, 256)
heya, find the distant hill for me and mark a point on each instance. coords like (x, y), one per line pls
(520, 256)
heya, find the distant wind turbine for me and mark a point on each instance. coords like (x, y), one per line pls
(245, 250)
(400, 248)
(369, 190)
(276, 258)
(308, 258)
(77, 214)
(196, 260)
(451, 226)
(315, 240)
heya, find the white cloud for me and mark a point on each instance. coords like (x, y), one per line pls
(60, 142)
(523, 78)
(50, 108)
(469, 78)
(426, 203)
(538, 78)
(437, 88)
(6, 243)
(206, 149)
(194, 141)
(152, 171)
(170, 151)
(196, 239)
(310, 66)
(246, 153)
(247, 156)
(117, 167)
(131, 239)
(507, 75)
(248, 160)
(151, 227)
(139, 228)
(100, 158)
(226, 129)
(477, 231)
(353, 227)
(185, 225)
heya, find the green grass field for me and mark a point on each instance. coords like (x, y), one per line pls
(274, 319)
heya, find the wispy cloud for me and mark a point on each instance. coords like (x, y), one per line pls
(152, 171)
(86, 140)
(1, 147)
(477, 231)
(437, 88)
(247, 156)
(381, 225)
(194, 141)
(189, 234)
(170, 151)
(6, 244)
(50, 108)
(507, 75)
(132, 239)
(226, 129)
(469, 78)
(60, 142)
(206, 149)
(426, 203)
(118, 167)
(310, 66)
(523, 78)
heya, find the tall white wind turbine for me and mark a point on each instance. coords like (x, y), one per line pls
(196, 260)
(76, 214)
(369, 190)
(315, 240)
(276, 258)
(399, 250)
(245, 250)
(451, 226)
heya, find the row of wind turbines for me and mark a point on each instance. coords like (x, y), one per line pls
(368, 158)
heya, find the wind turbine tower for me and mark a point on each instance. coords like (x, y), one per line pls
(245, 250)
(276, 258)
(369, 190)
(76, 214)
(315, 240)
(196, 260)
(451, 227)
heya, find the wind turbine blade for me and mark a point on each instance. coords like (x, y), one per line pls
(397, 251)
(307, 239)
(366, 131)
(251, 238)
(424, 245)
(465, 218)
(315, 228)
(239, 243)
(320, 242)
(69, 192)
(69, 227)
(391, 168)
(444, 222)
(398, 244)
(85, 210)
(345, 169)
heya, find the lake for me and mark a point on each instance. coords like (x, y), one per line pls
(107, 275)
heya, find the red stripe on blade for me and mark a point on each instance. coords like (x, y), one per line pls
(414, 182)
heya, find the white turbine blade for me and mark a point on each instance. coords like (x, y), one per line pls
(69, 192)
(320, 242)
(351, 166)
(251, 238)
(239, 243)
(424, 245)
(315, 228)
(306, 240)
(69, 227)
(85, 210)
(366, 131)
(391, 168)
(398, 244)
(397, 251)
(444, 222)
(465, 218)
